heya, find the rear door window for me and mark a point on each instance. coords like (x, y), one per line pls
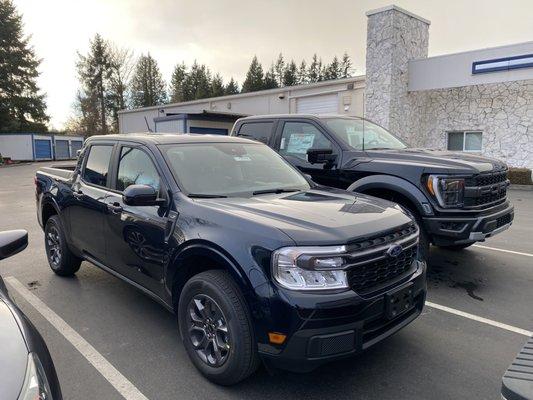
(260, 131)
(97, 165)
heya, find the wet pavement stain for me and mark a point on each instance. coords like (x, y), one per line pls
(443, 275)
(33, 285)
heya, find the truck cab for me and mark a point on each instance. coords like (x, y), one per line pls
(456, 198)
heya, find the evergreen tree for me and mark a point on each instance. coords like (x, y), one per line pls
(270, 81)
(302, 73)
(94, 99)
(217, 86)
(346, 66)
(177, 83)
(148, 86)
(254, 77)
(279, 67)
(22, 107)
(315, 70)
(231, 88)
(290, 75)
(333, 70)
(198, 82)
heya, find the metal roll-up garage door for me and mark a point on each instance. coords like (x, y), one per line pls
(75, 145)
(43, 149)
(62, 150)
(320, 104)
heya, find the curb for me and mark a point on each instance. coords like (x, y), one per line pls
(521, 187)
(15, 165)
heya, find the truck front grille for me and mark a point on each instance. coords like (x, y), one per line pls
(371, 269)
(485, 190)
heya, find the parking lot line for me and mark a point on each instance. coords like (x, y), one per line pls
(503, 250)
(108, 371)
(487, 321)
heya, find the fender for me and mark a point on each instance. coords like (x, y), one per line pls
(46, 199)
(205, 248)
(394, 184)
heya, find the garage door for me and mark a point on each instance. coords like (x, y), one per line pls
(43, 149)
(324, 104)
(75, 145)
(62, 151)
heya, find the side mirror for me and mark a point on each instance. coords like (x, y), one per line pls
(12, 242)
(320, 156)
(141, 195)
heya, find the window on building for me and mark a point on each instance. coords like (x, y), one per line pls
(465, 141)
(97, 165)
(136, 168)
(261, 131)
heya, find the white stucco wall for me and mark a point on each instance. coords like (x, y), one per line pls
(17, 147)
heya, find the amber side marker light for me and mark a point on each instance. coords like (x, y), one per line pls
(430, 187)
(276, 338)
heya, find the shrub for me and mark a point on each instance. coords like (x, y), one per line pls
(520, 176)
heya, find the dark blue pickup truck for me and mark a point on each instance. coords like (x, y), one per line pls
(257, 261)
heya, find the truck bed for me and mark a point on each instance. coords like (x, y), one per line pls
(63, 172)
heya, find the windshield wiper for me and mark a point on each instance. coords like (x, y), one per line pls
(276, 191)
(205, 196)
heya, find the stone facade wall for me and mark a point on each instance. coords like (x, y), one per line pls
(393, 38)
(502, 111)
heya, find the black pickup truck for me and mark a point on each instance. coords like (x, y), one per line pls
(457, 198)
(256, 261)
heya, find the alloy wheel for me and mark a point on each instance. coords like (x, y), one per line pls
(208, 330)
(54, 246)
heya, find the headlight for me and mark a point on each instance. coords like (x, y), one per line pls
(310, 268)
(449, 192)
(36, 385)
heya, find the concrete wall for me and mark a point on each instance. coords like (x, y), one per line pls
(274, 101)
(455, 70)
(17, 146)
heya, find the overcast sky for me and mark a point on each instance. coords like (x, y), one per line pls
(225, 34)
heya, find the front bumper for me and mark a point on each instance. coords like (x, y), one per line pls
(340, 327)
(455, 229)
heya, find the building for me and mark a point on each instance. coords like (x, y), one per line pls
(39, 146)
(478, 101)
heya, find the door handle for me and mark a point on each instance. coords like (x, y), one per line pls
(115, 207)
(78, 194)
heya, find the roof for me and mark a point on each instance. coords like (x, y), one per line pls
(284, 89)
(296, 116)
(171, 138)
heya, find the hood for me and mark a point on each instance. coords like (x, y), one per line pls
(438, 160)
(14, 355)
(316, 217)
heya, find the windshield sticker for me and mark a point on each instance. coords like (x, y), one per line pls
(242, 158)
(300, 142)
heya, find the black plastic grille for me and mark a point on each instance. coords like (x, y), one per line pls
(485, 199)
(368, 277)
(384, 239)
(503, 220)
(488, 179)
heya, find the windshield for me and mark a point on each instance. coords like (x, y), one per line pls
(363, 135)
(231, 169)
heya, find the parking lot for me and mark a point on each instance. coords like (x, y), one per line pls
(443, 354)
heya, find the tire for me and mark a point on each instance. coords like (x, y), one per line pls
(457, 247)
(61, 260)
(238, 355)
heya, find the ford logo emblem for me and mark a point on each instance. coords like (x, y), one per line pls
(394, 250)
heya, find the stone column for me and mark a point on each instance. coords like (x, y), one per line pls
(394, 36)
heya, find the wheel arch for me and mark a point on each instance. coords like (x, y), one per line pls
(197, 257)
(393, 185)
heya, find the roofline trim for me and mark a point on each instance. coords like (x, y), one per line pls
(359, 78)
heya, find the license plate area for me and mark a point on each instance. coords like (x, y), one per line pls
(398, 301)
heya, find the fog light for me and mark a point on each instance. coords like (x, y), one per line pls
(276, 338)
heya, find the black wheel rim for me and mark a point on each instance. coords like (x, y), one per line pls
(54, 246)
(208, 330)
